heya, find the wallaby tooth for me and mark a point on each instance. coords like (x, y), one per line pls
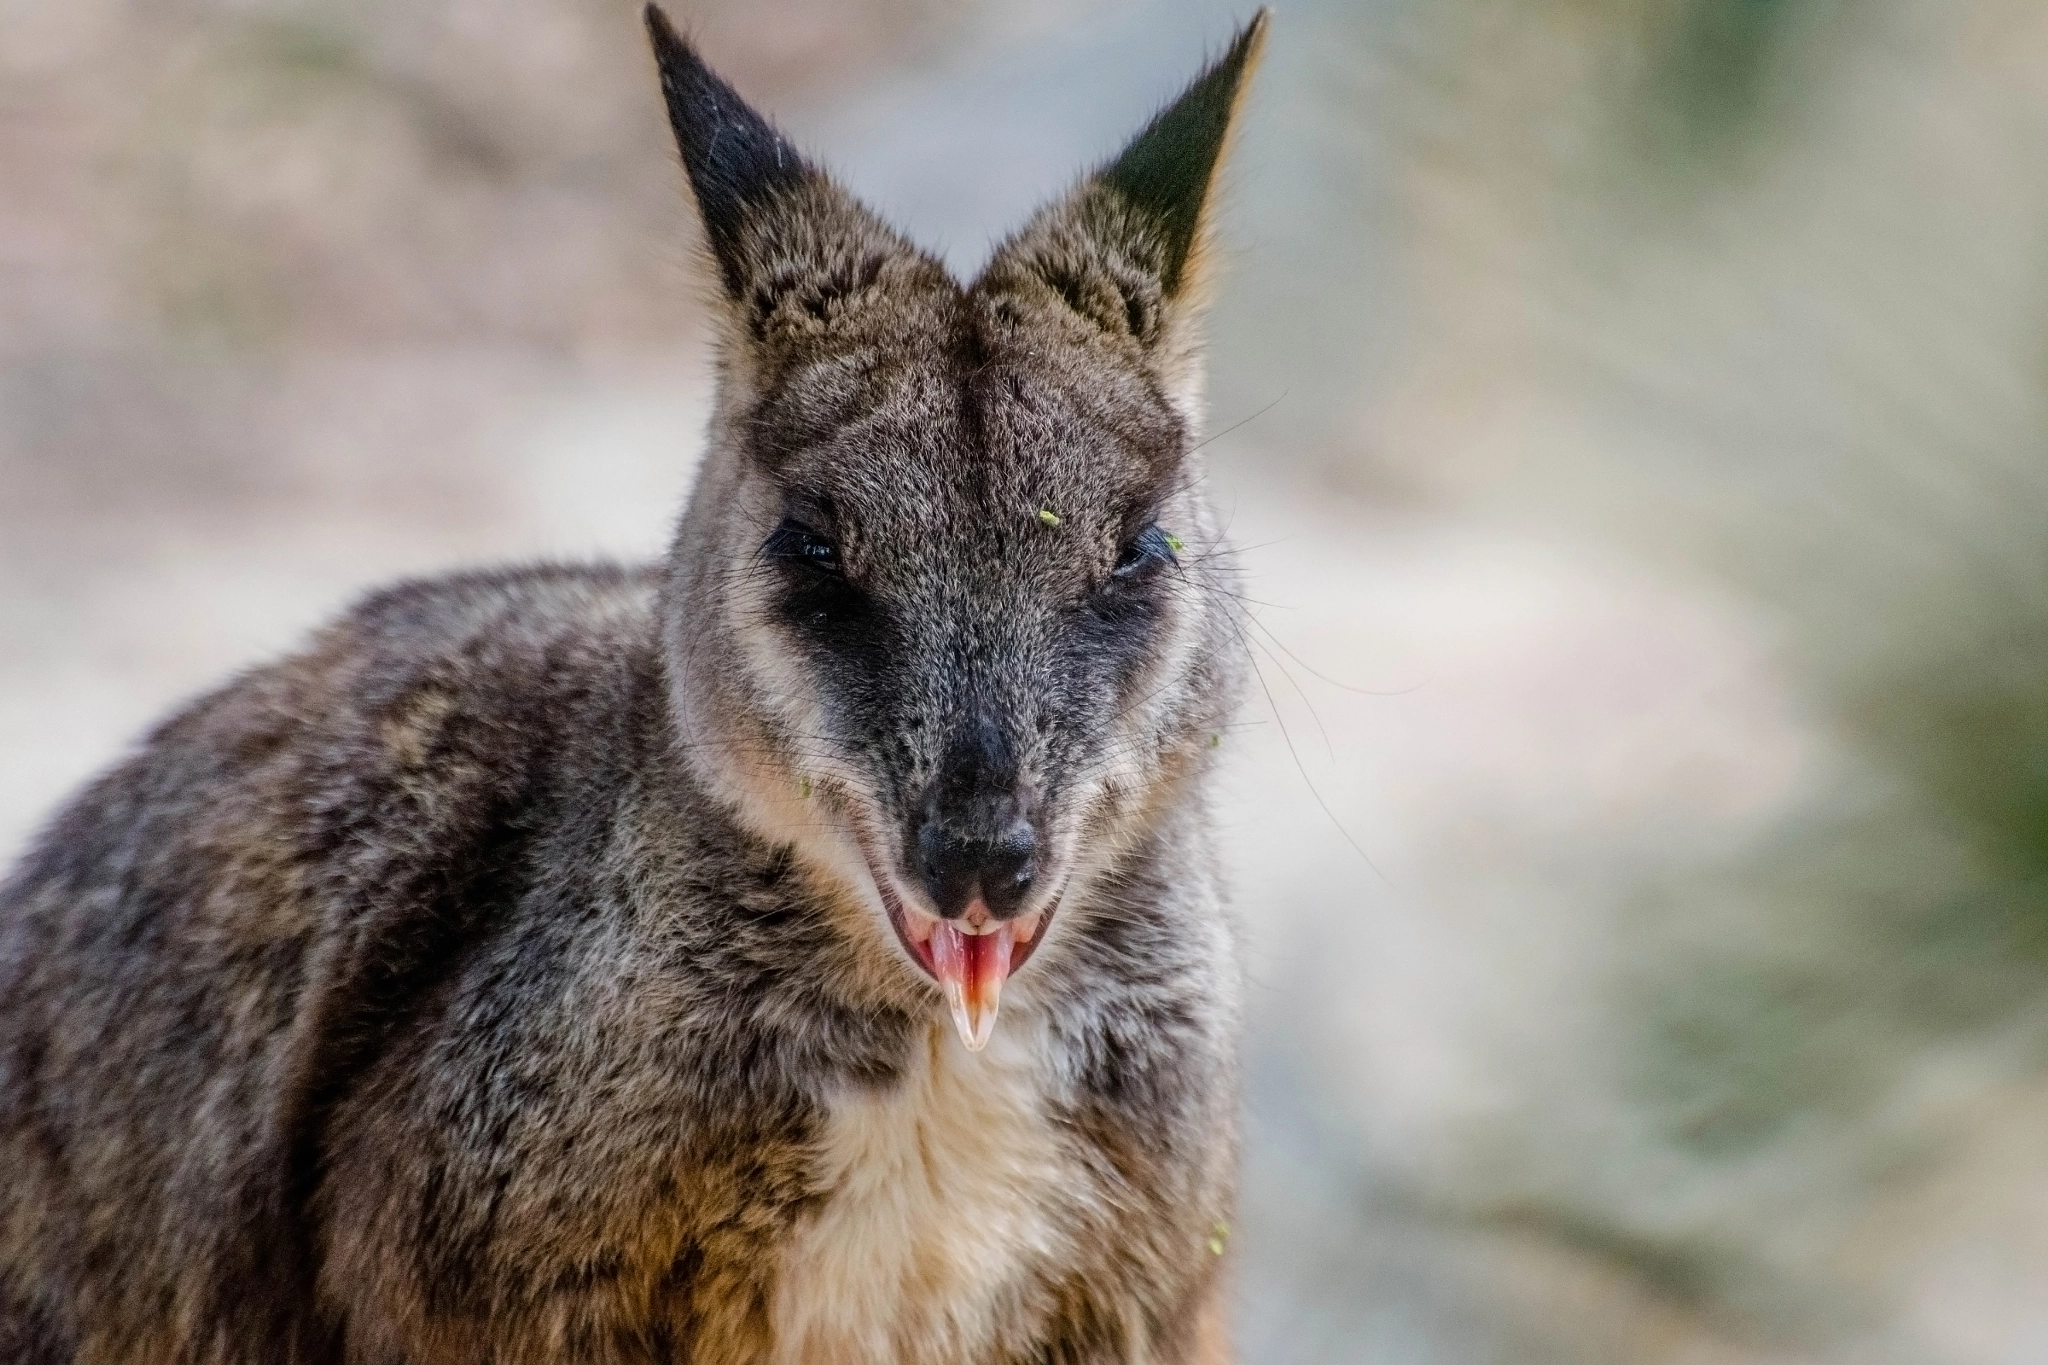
(989, 966)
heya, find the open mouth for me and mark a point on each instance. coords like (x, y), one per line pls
(970, 957)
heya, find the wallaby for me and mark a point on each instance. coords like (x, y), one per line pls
(601, 965)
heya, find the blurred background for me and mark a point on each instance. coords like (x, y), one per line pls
(1636, 429)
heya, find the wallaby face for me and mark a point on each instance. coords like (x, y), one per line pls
(948, 610)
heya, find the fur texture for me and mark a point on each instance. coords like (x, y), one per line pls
(513, 975)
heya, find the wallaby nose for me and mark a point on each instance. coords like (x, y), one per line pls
(957, 866)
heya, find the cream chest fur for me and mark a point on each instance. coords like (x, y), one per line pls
(942, 1193)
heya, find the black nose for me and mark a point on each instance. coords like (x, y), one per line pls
(957, 865)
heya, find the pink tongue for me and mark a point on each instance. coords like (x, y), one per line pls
(972, 968)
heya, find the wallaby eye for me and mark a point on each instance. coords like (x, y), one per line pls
(1148, 549)
(799, 544)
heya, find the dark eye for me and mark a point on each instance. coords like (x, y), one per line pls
(799, 544)
(1148, 549)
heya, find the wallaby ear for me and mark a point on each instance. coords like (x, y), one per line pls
(1124, 252)
(1167, 174)
(794, 252)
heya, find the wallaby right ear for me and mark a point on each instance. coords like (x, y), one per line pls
(794, 251)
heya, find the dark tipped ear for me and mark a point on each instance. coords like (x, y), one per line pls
(792, 248)
(1167, 173)
(1122, 254)
(734, 157)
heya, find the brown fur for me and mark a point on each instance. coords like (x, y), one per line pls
(499, 978)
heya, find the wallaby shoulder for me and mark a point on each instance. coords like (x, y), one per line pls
(431, 707)
(201, 951)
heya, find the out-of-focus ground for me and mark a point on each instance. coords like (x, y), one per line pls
(1642, 834)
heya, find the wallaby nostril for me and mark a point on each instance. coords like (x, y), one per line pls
(958, 865)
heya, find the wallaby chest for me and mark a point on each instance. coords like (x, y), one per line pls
(944, 1198)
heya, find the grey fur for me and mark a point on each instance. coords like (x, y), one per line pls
(479, 983)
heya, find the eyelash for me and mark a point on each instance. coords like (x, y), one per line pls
(1150, 546)
(796, 543)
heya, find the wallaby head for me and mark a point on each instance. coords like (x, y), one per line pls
(947, 613)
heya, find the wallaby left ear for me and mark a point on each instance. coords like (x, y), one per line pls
(1124, 253)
